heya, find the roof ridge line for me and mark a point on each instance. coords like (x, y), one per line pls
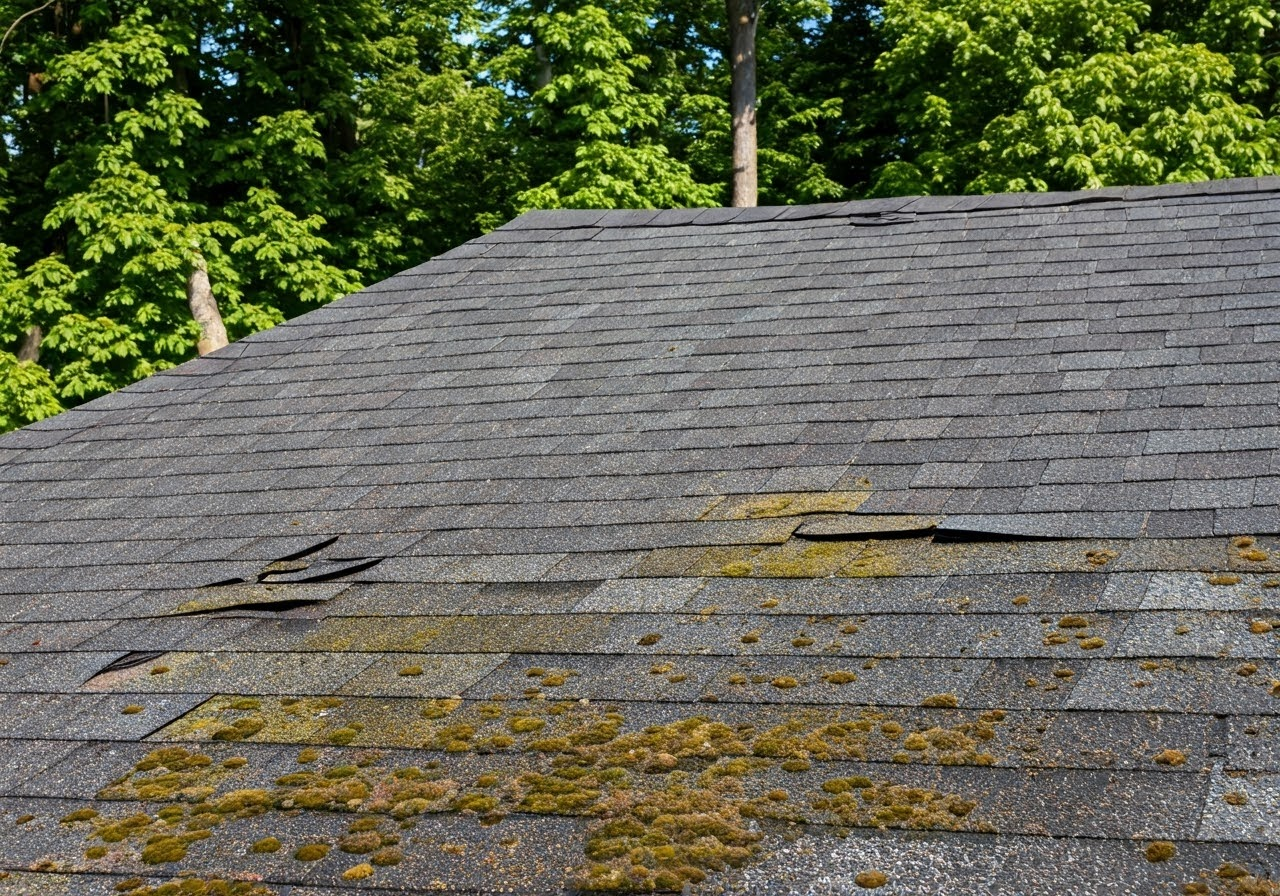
(876, 207)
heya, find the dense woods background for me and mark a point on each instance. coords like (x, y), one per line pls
(297, 149)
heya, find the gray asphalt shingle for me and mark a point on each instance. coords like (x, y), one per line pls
(932, 535)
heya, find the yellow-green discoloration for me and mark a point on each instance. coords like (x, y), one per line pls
(785, 504)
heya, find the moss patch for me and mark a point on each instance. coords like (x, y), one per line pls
(870, 879)
(667, 804)
(311, 852)
(1170, 757)
(266, 845)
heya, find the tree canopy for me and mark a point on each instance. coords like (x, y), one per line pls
(299, 150)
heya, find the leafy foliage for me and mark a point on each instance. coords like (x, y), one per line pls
(1063, 94)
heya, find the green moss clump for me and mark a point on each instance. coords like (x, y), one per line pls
(844, 785)
(358, 872)
(785, 682)
(840, 676)
(244, 803)
(1160, 851)
(871, 879)
(343, 736)
(526, 724)
(131, 710)
(410, 671)
(95, 852)
(245, 703)
(387, 856)
(941, 700)
(311, 852)
(477, 803)
(266, 845)
(240, 729)
(650, 639)
(234, 762)
(163, 849)
(360, 842)
(79, 815)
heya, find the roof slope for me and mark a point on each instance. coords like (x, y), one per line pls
(760, 550)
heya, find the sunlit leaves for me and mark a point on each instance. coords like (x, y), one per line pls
(1051, 94)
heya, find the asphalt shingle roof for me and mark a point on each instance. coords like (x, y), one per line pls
(749, 551)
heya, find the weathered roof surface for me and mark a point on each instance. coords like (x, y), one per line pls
(755, 551)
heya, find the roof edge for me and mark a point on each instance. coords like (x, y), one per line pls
(579, 219)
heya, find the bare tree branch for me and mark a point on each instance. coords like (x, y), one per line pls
(18, 21)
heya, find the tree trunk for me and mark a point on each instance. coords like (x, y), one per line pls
(545, 73)
(742, 98)
(204, 308)
(30, 349)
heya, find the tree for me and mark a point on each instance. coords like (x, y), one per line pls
(592, 134)
(742, 16)
(271, 155)
(1063, 94)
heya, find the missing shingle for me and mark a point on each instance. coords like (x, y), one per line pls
(881, 219)
(261, 606)
(322, 571)
(129, 660)
(887, 527)
(308, 551)
(945, 535)
(123, 668)
(294, 568)
(864, 534)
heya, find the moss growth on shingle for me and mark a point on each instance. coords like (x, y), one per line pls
(586, 765)
(870, 879)
(193, 886)
(311, 852)
(161, 849)
(86, 814)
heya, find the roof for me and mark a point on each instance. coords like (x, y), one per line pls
(780, 550)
